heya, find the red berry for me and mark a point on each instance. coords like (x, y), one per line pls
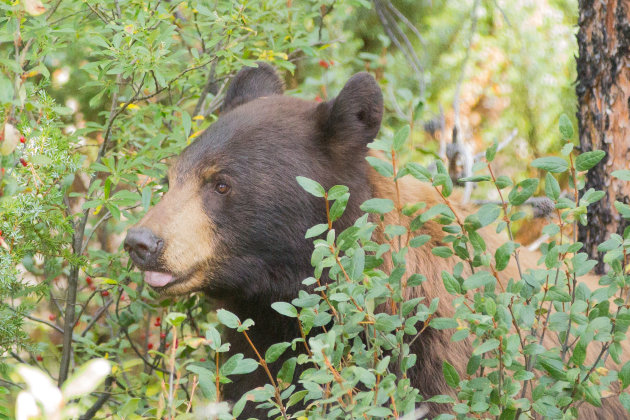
(318, 98)
(168, 345)
(22, 139)
(324, 64)
(158, 321)
(23, 162)
(88, 280)
(105, 293)
(39, 358)
(332, 63)
(0, 230)
(162, 336)
(203, 359)
(150, 346)
(51, 317)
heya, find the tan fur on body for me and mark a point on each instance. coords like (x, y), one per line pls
(436, 345)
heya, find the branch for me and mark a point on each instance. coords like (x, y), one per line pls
(458, 88)
(77, 240)
(97, 316)
(41, 321)
(398, 37)
(91, 412)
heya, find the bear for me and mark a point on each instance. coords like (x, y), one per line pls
(232, 224)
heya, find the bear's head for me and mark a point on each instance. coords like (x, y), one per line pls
(233, 221)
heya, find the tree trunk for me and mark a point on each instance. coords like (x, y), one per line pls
(603, 90)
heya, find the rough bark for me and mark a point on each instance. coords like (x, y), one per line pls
(603, 90)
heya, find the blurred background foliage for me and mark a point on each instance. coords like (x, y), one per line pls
(101, 94)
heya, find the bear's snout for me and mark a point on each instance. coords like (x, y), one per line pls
(144, 247)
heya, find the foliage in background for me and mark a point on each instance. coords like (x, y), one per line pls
(103, 93)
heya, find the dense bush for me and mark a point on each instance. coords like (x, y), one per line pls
(78, 170)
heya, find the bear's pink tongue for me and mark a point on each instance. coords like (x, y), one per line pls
(156, 279)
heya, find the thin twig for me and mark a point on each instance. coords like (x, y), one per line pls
(102, 399)
(97, 316)
(41, 321)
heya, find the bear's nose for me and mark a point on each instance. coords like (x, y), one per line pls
(143, 247)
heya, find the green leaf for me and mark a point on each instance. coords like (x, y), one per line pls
(491, 306)
(523, 191)
(485, 347)
(450, 374)
(379, 412)
(378, 205)
(473, 364)
(285, 374)
(592, 395)
(316, 230)
(146, 197)
(503, 181)
(623, 209)
(240, 405)
(337, 191)
(338, 207)
(401, 137)
(551, 164)
(479, 279)
(442, 399)
(175, 318)
(442, 251)
(275, 351)
(445, 181)
(382, 167)
(592, 196)
(295, 398)
(565, 126)
(554, 367)
(624, 375)
(488, 213)
(186, 123)
(443, 323)
(567, 149)
(552, 188)
(450, 283)
(386, 323)
(285, 308)
(227, 318)
(587, 160)
(503, 253)
(418, 241)
(310, 186)
(623, 174)
(492, 151)
(358, 264)
(579, 353)
(245, 325)
(419, 172)
(475, 178)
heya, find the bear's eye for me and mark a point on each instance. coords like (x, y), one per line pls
(221, 187)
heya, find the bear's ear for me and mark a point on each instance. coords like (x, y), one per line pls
(354, 117)
(251, 83)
